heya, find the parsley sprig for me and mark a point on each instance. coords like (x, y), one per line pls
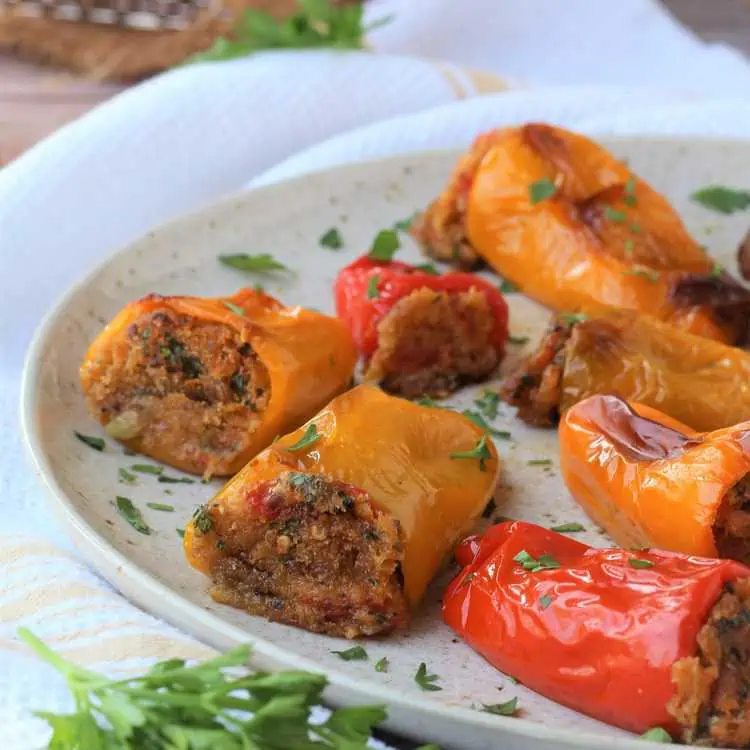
(209, 704)
(534, 565)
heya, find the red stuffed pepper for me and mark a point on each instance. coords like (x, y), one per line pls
(639, 639)
(420, 332)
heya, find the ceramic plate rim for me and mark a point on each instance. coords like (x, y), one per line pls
(168, 604)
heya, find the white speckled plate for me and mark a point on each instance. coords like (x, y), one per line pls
(286, 220)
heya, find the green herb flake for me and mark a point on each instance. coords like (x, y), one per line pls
(404, 225)
(202, 521)
(132, 515)
(355, 653)
(539, 462)
(331, 239)
(161, 506)
(613, 214)
(657, 734)
(508, 708)
(96, 443)
(479, 451)
(181, 533)
(630, 197)
(479, 420)
(545, 601)
(263, 263)
(488, 403)
(175, 480)
(646, 273)
(717, 269)
(636, 228)
(259, 288)
(430, 403)
(572, 319)
(429, 268)
(234, 308)
(518, 340)
(541, 190)
(569, 528)
(722, 199)
(635, 562)
(507, 287)
(534, 565)
(310, 436)
(426, 681)
(125, 477)
(372, 287)
(381, 665)
(385, 245)
(629, 245)
(512, 679)
(147, 469)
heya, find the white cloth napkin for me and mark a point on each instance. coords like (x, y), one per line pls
(182, 139)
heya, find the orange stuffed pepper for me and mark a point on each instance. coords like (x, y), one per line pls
(205, 384)
(703, 383)
(574, 229)
(339, 526)
(650, 481)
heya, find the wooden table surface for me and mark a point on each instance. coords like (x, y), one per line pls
(35, 101)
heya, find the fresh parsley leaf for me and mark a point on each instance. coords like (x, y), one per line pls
(480, 451)
(426, 681)
(534, 565)
(630, 197)
(310, 436)
(541, 190)
(518, 340)
(404, 225)
(615, 215)
(717, 269)
(126, 477)
(508, 287)
(488, 403)
(540, 462)
(202, 521)
(428, 268)
(96, 443)
(572, 319)
(385, 245)
(161, 506)
(545, 601)
(479, 420)
(725, 200)
(175, 480)
(568, 527)
(430, 403)
(132, 515)
(635, 562)
(508, 708)
(147, 469)
(629, 246)
(355, 653)
(263, 263)
(372, 287)
(234, 308)
(657, 734)
(646, 273)
(382, 665)
(331, 239)
(181, 533)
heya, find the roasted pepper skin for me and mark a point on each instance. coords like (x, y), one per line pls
(607, 639)
(703, 383)
(647, 479)
(310, 358)
(396, 451)
(604, 238)
(394, 281)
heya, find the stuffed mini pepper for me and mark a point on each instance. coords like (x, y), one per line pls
(205, 384)
(640, 639)
(648, 480)
(339, 526)
(422, 333)
(703, 383)
(573, 228)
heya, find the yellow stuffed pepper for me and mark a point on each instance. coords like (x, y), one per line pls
(339, 526)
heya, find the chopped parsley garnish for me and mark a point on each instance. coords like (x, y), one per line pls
(132, 515)
(263, 263)
(161, 506)
(424, 680)
(657, 734)
(507, 287)
(511, 679)
(175, 480)
(630, 197)
(96, 443)
(615, 215)
(181, 533)
(355, 653)
(382, 665)
(310, 436)
(429, 268)
(372, 287)
(636, 562)
(430, 403)
(568, 527)
(234, 308)
(147, 469)
(717, 269)
(545, 601)
(534, 565)
(540, 462)
(722, 199)
(202, 521)
(385, 245)
(629, 245)
(480, 451)
(635, 228)
(646, 273)
(331, 239)
(125, 476)
(572, 319)
(479, 420)
(518, 340)
(541, 190)
(508, 708)
(488, 403)
(404, 225)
